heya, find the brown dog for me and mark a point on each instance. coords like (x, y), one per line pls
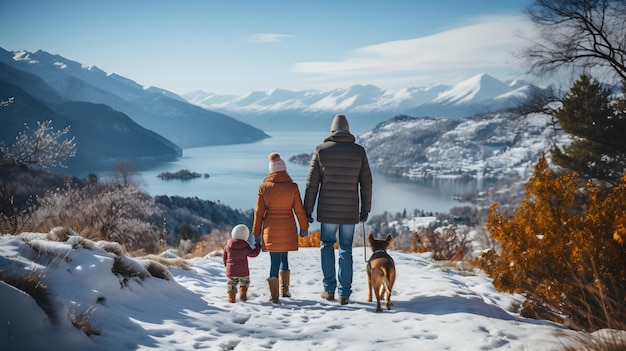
(381, 271)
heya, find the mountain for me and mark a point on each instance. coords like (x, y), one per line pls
(156, 109)
(103, 136)
(498, 150)
(478, 95)
(488, 147)
(365, 105)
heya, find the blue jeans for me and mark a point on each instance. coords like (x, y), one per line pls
(278, 261)
(328, 237)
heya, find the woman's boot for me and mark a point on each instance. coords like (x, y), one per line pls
(284, 283)
(273, 283)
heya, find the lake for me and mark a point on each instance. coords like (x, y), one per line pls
(237, 170)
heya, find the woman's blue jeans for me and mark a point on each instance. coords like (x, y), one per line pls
(328, 237)
(278, 262)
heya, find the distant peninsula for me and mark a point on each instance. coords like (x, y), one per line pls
(183, 174)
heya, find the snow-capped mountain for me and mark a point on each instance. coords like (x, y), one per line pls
(366, 105)
(500, 148)
(153, 108)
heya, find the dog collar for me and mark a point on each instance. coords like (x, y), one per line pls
(377, 251)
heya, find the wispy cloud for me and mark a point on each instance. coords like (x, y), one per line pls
(490, 43)
(268, 37)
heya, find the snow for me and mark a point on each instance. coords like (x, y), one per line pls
(435, 306)
(477, 88)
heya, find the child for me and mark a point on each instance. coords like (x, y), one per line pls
(236, 255)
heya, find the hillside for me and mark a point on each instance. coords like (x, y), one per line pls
(129, 303)
(155, 109)
(103, 136)
(487, 147)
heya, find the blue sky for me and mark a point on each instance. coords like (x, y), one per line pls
(237, 46)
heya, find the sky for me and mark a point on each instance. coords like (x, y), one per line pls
(235, 47)
(435, 306)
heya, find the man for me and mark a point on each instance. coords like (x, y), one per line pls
(340, 174)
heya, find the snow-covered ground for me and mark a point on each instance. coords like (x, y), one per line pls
(435, 307)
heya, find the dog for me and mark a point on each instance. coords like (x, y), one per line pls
(381, 271)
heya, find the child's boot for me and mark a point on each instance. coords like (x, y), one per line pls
(232, 296)
(284, 283)
(243, 293)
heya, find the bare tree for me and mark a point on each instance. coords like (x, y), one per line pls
(125, 174)
(578, 34)
(41, 148)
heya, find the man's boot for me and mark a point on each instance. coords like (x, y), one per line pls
(243, 293)
(232, 296)
(284, 283)
(273, 283)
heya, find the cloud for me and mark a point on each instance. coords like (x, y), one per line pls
(487, 44)
(268, 37)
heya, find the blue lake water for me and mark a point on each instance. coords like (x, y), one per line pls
(237, 170)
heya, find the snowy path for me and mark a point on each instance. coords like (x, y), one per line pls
(434, 308)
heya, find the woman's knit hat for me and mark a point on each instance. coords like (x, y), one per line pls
(340, 122)
(276, 163)
(240, 231)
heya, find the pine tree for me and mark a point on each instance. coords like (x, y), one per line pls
(597, 124)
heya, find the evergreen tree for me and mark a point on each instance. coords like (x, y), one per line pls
(597, 125)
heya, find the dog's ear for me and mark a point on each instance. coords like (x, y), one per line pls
(370, 237)
(389, 238)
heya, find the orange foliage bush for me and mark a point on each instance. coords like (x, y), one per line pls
(570, 265)
(311, 240)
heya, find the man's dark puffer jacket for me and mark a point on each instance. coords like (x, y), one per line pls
(338, 168)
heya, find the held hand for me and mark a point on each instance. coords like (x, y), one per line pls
(363, 216)
(257, 239)
(304, 233)
(309, 217)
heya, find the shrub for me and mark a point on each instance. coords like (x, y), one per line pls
(570, 265)
(311, 240)
(101, 212)
(446, 243)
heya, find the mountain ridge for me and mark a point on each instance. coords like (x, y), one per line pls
(156, 109)
(367, 104)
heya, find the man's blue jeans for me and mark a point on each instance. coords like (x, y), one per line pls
(328, 237)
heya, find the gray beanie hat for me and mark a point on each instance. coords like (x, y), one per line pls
(240, 231)
(340, 123)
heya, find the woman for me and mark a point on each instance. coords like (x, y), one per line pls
(277, 201)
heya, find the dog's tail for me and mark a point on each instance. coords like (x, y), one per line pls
(386, 287)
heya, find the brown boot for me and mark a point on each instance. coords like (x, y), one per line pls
(273, 283)
(232, 296)
(284, 283)
(243, 293)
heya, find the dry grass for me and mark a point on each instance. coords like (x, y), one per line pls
(169, 262)
(80, 320)
(32, 284)
(604, 340)
(158, 270)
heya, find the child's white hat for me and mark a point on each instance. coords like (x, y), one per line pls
(240, 231)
